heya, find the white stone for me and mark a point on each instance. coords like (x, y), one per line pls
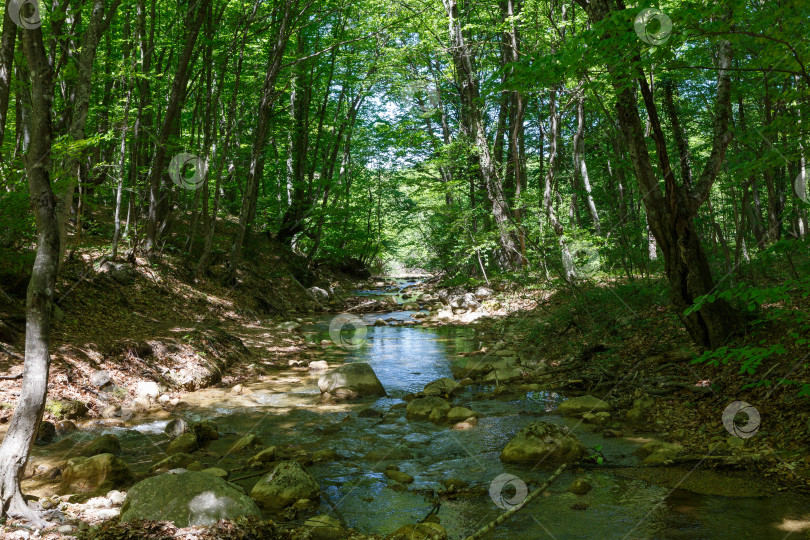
(116, 497)
(147, 389)
(98, 502)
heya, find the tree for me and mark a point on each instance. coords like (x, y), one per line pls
(24, 424)
(671, 213)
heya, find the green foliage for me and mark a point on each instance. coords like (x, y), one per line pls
(749, 357)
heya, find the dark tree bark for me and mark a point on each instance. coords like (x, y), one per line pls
(671, 213)
(158, 201)
(100, 19)
(41, 288)
(463, 60)
(256, 167)
(7, 42)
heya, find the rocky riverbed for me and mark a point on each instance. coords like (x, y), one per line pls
(406, 431)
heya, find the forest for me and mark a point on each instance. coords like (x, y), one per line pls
(418, 269)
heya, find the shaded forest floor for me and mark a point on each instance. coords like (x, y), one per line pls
(140, 322)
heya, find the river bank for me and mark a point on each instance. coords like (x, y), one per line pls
(673, 453)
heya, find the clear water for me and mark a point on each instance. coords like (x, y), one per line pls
(285, 409)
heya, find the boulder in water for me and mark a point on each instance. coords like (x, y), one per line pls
(102, 471)
(420, 531)
(431, 408)
(286, 483)
(175, 427)
(46, 433)
(104, 444)
(543, 442)
(184, 444)
(504, 375)
(265, 456)
(248, 441)
(205, 431)
(444, 386)
(186, 499)
(460, 414)
(325, 527)
(356, 378)
(176, 461)
(582, 404)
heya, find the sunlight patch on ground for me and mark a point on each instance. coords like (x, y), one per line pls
(794, 525)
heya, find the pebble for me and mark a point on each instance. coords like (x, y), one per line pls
(106, 513)
(116, 497)
(98, 502)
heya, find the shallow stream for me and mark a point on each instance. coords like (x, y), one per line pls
(284, 408)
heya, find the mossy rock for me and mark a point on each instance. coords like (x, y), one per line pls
(205, 431)
(99, 472)
(105, 444)
(428, 408)
(184, 444)
(186, 499)
(176, 461)
(66, 409)
(248, 441)
(420, 531)
(265, 456)
(286, 483)
(582, 404)
(543, 442)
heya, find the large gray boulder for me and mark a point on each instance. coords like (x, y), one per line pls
(543, 442)
(354, 378)
(186, 499)
(286, 483)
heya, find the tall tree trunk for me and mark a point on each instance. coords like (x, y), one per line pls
(158, 201)
(202, 265)
(7, 42)
(77, 112)
(27, 416)
(569, 268)
(463, 59)
(580, 168)
(256, 167)
(671, 213)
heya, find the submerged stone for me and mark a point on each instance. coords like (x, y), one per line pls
(286, 483)
(583, 404)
